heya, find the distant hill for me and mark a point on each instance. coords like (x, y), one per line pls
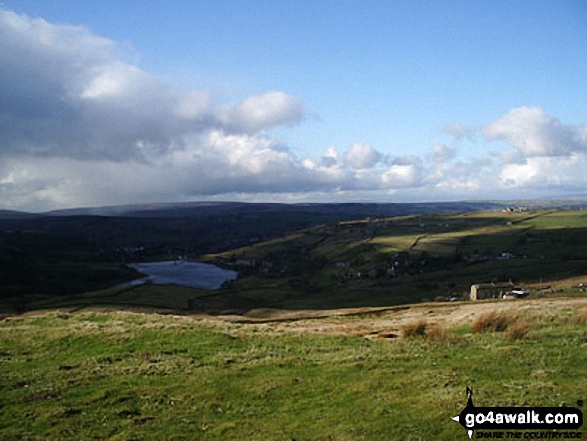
(404, 259)
(75, 250)
(345, 210)
(11, 214)
(308, 249)
(348, 211)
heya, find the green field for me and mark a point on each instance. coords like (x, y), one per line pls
(129, 376)
(432, 256)
(277, 359)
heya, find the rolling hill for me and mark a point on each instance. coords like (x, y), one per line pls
(406, 259)
(291, 256)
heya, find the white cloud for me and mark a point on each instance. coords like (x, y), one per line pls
(331, 158)
(210, 164)
(193, 105)
(399, 176)
(405, 172)
(262, 112)
(535, 133)
(547, 155)
(563, 173)
(66, 92)
(463, 177)
(361, 156)
(512, 156)
(80, 125)
(118, 81)
(440, 153)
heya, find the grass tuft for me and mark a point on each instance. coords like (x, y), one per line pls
(581, 318)
(415, 329)
(437, 333)
(517, 330)
(421, 328)
(492, 322)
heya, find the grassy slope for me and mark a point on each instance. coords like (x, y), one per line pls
(57, 256)
(121, 375)
(553, 242)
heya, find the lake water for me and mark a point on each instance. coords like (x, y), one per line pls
(180, 272)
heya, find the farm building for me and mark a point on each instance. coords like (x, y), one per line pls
(490, 290)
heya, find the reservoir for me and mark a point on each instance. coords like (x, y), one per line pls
(180, 272)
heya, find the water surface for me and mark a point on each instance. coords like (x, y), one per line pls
(180, 272)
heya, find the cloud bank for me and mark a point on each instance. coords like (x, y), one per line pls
(81, 125)
(534, 133)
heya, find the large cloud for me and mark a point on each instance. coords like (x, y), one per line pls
(405, 172)
(566, 174)
(212, 163)
(535, 133)
(260, 112)
(362, 156)
(82, 125)
(547, 155)
(66, 92)
(331, 157)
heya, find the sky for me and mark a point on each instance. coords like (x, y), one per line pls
(120, 102)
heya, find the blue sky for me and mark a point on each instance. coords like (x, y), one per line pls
(293, 101)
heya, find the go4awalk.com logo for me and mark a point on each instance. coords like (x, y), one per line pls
(543, 419)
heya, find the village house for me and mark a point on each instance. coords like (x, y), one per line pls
(248, 263)
(483, 291)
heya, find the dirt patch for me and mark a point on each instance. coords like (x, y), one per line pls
(384, 323)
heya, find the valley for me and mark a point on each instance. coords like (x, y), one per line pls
(336, 328)
(341, 263)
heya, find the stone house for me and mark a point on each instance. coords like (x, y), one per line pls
(483, 291)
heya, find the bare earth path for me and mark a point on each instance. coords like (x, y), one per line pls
(370, 322)
(383, 322)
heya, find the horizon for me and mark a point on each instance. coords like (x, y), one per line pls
(115, 103)
(163, 205)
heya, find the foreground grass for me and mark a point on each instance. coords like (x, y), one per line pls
(123, 376)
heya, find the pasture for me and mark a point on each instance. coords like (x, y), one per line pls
(106, 374)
